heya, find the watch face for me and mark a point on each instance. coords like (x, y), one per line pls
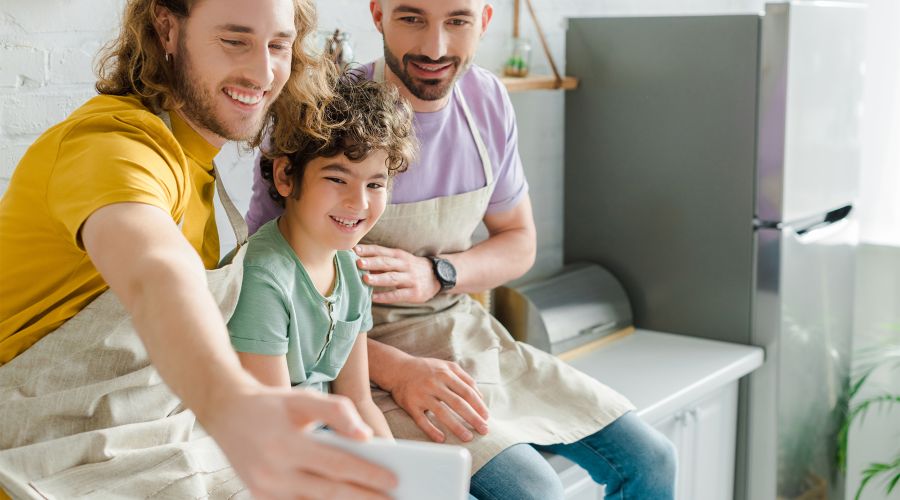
(446, 272)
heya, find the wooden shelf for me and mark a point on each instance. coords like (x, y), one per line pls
(537, 82)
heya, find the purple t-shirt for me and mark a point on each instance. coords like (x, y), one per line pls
(448, 162)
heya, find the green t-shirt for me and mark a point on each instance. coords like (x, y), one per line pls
(280, 312)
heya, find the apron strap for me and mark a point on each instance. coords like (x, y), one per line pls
(486, 164)
(476, 134)
(237, 222)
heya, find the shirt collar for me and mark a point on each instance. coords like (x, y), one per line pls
(193, 144)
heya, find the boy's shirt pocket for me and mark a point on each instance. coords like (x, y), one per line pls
(337, 348)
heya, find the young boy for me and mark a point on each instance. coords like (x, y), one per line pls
(304, 310)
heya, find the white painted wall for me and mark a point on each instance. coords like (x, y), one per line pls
(46, 49)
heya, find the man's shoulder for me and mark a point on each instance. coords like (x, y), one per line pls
(480, 82)
(484, 91)
(125, 110)
(115, 118)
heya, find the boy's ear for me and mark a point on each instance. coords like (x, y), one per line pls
(284, 183)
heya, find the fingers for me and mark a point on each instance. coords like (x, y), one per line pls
(381, 263)
(421, 419)
(464, 410)
(388, 279)
(313, 486)
(372, 250)
(337, 412)
(339, 467)
(468, 389)
(393, 296)
(451, 421)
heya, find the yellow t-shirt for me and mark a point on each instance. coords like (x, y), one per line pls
(110, 150)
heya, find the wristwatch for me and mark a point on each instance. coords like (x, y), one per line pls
(444, 272)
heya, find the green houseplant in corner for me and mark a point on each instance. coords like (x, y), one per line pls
(885, 356)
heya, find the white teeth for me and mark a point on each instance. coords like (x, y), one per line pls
(429, 67)
(346, 222)
(246, 99)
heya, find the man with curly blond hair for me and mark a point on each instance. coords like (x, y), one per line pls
(120, 196)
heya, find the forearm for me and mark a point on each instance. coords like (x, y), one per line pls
(185, 334)
(494, 261)
(384, 363)
(372, 416)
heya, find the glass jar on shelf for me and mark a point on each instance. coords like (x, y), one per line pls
(519, 61)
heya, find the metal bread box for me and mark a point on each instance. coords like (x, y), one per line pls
(581, 304)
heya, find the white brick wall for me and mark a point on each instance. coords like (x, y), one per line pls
(46, 53)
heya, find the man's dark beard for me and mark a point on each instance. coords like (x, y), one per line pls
(198, 104)
(426, 90)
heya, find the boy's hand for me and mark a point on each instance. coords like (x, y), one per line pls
(264, 432)
(411, 277)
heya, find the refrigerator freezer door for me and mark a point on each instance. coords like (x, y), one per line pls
(660, 155)
(811, 84)
(803, 318)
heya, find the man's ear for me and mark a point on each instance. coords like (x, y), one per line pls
(284, 183)
(487, 13)
(166, 25)
(377, 14)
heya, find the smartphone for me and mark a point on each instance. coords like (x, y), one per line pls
(424, 470)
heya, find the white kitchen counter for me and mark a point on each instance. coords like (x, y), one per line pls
(662, 373)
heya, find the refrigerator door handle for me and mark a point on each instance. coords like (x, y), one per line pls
(833, 222)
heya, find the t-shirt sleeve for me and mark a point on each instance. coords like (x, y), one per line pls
(262, 207)
(261, 319)
(511, 185)
(102, 162)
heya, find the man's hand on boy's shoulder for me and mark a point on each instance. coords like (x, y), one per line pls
(411, 278)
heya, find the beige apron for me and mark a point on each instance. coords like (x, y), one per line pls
(83, 413)
(533, 397)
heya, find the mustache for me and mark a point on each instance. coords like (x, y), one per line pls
(427, 60)
(240, 82)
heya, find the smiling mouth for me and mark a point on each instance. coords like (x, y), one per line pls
(246, 98)
(432, 68)
(348, 223)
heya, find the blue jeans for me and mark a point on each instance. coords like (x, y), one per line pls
(631, 458)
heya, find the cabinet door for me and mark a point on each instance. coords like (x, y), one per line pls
(713, 423)
(675, 428)
(704, 434)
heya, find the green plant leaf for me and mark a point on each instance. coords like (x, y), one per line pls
(877, 469)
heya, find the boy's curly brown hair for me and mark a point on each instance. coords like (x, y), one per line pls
(362, 116)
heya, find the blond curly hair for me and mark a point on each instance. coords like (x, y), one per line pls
(134, 63)
(362, 116)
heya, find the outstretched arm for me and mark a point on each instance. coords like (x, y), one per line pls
(160, 279)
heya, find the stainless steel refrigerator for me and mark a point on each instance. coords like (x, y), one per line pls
(711, 164)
